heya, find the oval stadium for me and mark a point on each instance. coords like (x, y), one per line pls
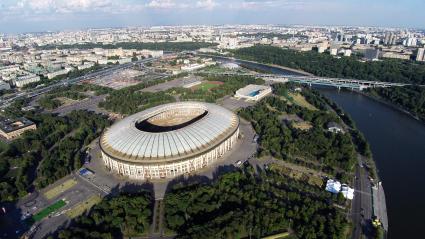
(169, 140)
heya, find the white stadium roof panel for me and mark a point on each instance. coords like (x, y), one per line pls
(126, 141)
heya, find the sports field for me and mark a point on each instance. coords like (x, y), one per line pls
(48, 210)
(81, 207)
(52, 193)
(207, 85)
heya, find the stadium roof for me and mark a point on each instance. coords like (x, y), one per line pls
(131, 140)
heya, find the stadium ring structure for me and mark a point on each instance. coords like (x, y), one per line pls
(169, 140)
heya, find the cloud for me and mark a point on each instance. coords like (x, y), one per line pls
(62, 6)
(207, 4)
(163, 4)
(267, 4)
(182, 4)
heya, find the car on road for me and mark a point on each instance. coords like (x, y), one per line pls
(238, 163)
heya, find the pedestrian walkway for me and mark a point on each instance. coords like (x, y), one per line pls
(157, 227)
(379, 205)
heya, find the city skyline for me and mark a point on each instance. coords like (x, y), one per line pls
(52, 15)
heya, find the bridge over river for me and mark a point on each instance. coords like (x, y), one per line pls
(314, 80)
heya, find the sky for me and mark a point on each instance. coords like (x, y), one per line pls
(51, 15)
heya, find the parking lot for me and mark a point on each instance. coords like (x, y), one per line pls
(178, 82)
(234, 104)
(72, 193)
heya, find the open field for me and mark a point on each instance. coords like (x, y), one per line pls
(304, 125)
(207, 85)
(81, 207)
(301, 101)
(299, 173)
(48, 210)
(52, 193)
(66, 101)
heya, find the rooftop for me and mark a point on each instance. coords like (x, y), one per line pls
(8, 125)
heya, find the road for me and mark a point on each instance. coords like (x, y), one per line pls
(4, 102)
(362, 211)
(36, 201)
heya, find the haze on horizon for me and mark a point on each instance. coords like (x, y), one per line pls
(51, 15)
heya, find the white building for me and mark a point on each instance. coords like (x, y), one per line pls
(421, 54)
(253, 92)
(334, 51)
(335, 128)
(151, 53)
(347, 192)
(54, 74)
(231, 66)
(86, 65)
(336, 187)
(192, 67)
(333, 186)
(21, 81)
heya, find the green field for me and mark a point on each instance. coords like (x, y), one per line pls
(50, 194)
(48, 210)
(83, 206)
(206, 86)
(298, 99)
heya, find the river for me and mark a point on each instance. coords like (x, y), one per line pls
(398, 145)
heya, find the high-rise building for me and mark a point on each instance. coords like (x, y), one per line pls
(421, 54)
(390, 38)
(410, 41)
(387, 38)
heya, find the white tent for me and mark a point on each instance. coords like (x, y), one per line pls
(333, 186)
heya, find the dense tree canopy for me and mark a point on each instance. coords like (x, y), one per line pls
(242, 204)
(411, 98)
(125, 215)
(52, 151)
(332, 151)
(329, 66)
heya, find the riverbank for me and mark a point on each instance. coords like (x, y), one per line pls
(303, 73)
(364, 200)
(391, 105)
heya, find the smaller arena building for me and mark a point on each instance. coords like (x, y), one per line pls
(253, 92)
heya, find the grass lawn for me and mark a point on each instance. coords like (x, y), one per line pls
(299, 173)
(301, 101)
(206, 86)
(48, 210)
(66, 101)
(304, 125)
(52, 193)
(81, 207)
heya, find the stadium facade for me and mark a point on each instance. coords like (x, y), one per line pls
(169, 140)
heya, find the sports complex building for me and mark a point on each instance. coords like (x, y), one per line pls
(253, 92)
(169, 140)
